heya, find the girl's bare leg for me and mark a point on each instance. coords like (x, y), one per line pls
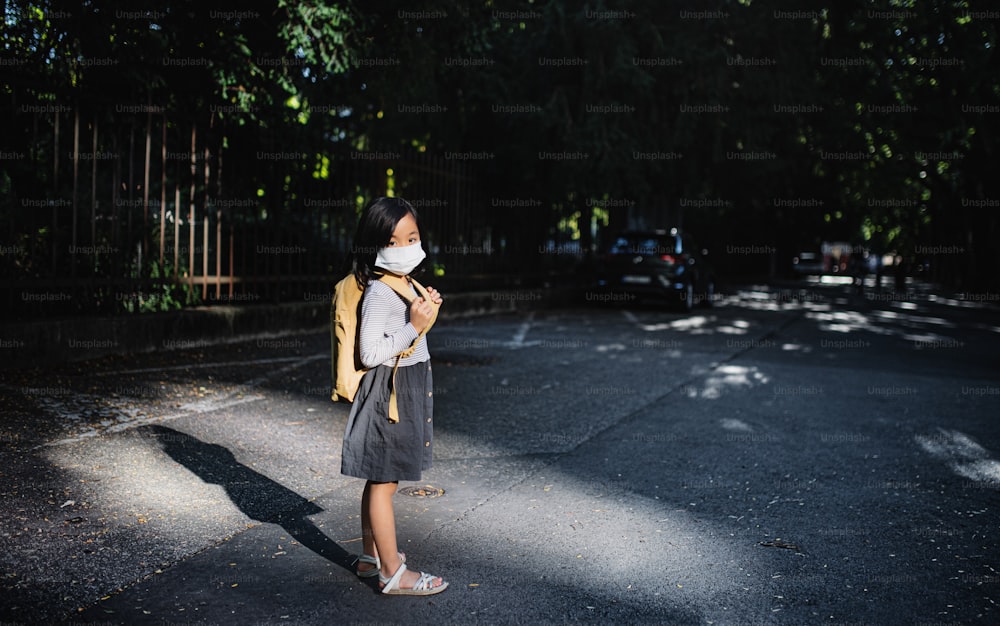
(381, 521)
(367, 539)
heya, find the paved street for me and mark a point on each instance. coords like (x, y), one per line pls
(793, 455)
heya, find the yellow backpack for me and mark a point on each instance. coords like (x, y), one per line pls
(345, 313)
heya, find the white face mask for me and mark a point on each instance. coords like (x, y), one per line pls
(400, 259)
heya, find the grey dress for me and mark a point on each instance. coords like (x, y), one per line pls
(375, 448)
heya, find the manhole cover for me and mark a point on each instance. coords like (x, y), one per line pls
(426, 491)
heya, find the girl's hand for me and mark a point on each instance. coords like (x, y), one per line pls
(420, 314)
(434, 295)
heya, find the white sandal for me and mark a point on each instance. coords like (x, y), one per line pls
(423, 587)
(373, 560)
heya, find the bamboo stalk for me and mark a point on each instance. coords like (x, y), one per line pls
(76, 178)
(204, 252)
(163, 193)
(147, 163)
(191, 212)
(55, 185)
(93, 191)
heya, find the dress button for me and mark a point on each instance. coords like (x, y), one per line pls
(430, 393)
(428, 420)
(427, 444)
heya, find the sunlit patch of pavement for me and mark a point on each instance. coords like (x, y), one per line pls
(132, 404)
(963, 455)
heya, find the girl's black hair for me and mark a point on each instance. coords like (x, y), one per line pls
(378, 220)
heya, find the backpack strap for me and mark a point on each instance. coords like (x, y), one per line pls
(404, 286)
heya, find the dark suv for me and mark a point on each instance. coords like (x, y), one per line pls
(664, 264)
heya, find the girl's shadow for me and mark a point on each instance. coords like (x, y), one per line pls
(258, 496)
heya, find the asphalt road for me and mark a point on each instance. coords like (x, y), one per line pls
(790, 456)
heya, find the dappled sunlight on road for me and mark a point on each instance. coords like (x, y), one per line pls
(917, 329)
(764, 298)
(907, 319)
(962, 303)
(611, 347)
(730, 377)
(846, 322)
(727, 378)
(697, 325)
(735, 425)
(963, 455)
(796, 347)
(694, 324)
(737, 327)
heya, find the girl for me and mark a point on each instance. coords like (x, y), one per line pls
(380, 445)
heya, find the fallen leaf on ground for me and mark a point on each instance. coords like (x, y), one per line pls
(778, 543)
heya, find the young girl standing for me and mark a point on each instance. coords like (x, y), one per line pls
(381, 445)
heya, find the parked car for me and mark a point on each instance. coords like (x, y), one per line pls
(664, 264)
(808, 263)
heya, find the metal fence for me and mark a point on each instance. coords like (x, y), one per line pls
(131, 209)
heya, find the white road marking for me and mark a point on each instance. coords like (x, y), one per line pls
(121, 418)
(522, 332)
(149, 370)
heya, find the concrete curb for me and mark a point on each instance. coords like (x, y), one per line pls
(46, 342)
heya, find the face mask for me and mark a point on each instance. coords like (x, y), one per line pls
(400, 260)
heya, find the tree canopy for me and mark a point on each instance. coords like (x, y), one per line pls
(765, 122)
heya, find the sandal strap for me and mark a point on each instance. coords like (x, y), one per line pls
(374, 560)
(425, 582)
(371, 560)
(391, 583)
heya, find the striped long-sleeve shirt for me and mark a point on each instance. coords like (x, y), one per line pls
(386, 330)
